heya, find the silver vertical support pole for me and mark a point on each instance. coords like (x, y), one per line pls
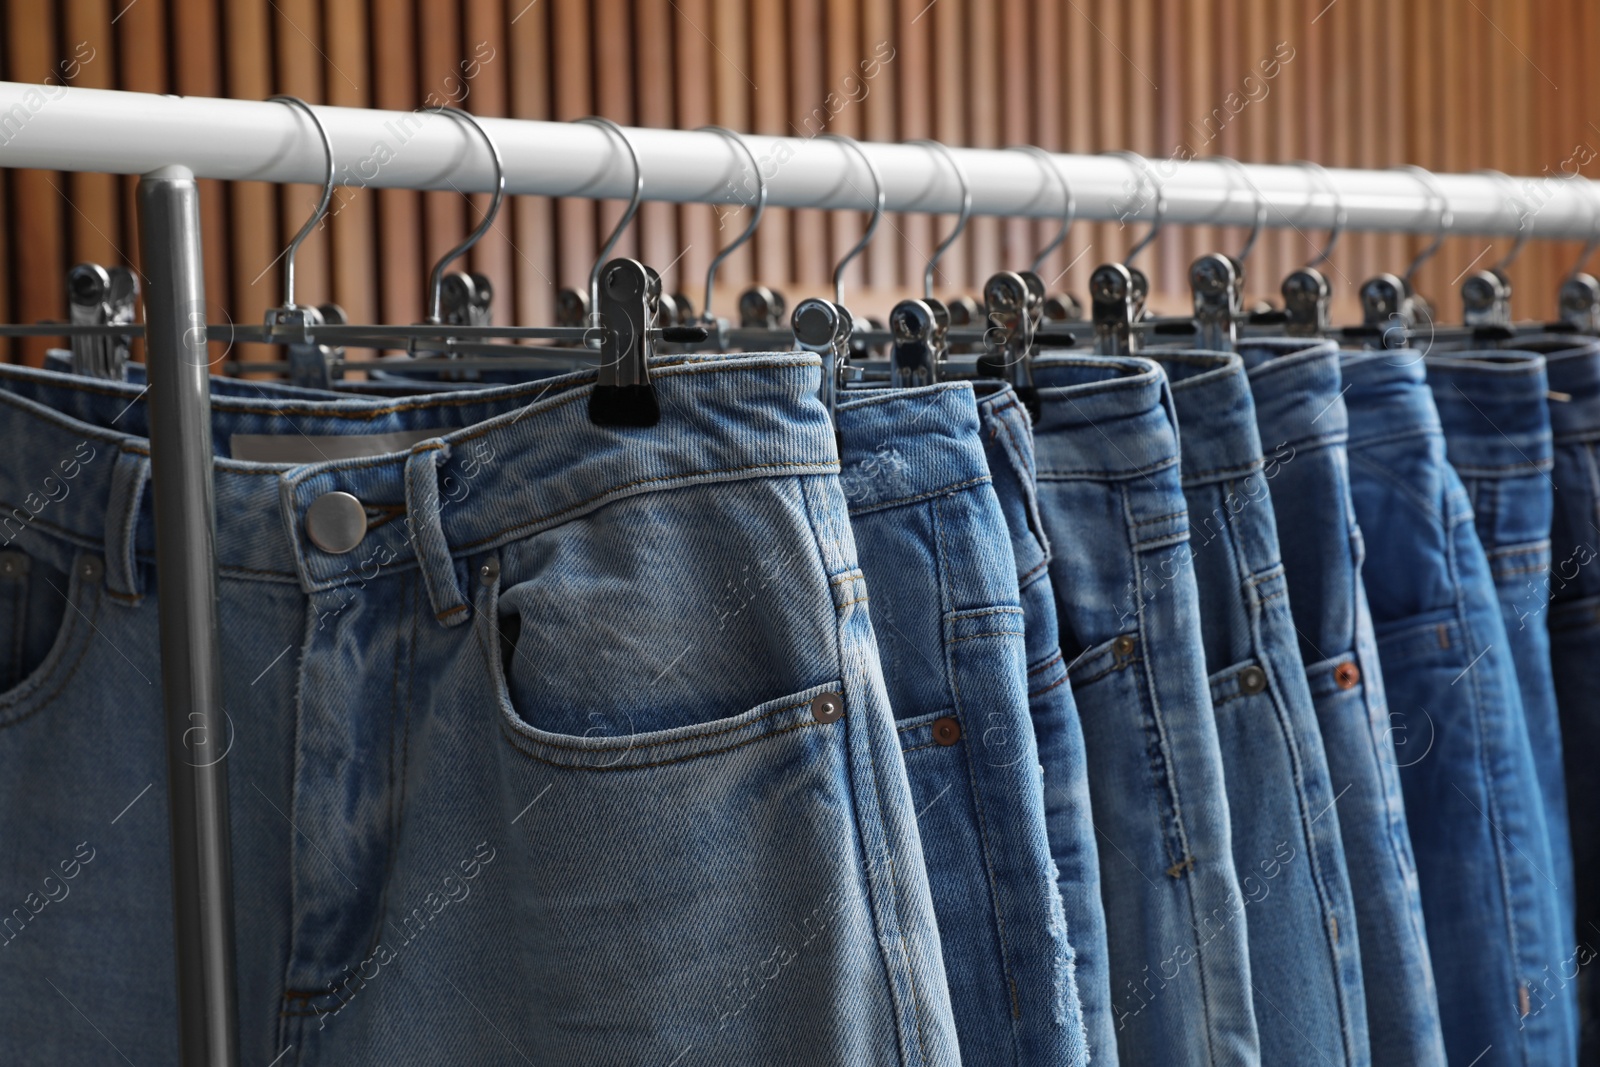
(186, 577)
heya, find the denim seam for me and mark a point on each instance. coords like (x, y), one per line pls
(675, 741)
(1430, 511)
(1030, 491)
(518, 743)
(1058, 683)
(917, 498)
(1049, 661)
(1116, 665)
(953, 674)
(1052, 474)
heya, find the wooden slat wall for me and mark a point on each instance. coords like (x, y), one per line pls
(1448, 84)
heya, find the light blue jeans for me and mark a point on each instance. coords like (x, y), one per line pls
(582, 754)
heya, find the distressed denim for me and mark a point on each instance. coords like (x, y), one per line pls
(945, 606)
(1496, 419)
(1472, 800)
(1301, 416)
(1574, 625)
(1112, 507)
(582, 755)
(1008, 441)
(1287, 847)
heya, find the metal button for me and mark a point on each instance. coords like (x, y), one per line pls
(1346, 675)
(1252, 680)
(90, 569)
(13, 564)
(1124, 645)
(946, 731)
(489, 572)
(827, 707)
(336, 522)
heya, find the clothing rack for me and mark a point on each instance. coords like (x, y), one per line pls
(171, 141)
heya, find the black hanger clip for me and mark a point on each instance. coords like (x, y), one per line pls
(1216, 296)
(623, 395)
(1111, 301)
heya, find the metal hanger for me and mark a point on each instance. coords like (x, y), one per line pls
(436, 276)
(921, 328)
(1118, 291)
(1062, 307)
(1217, 280)
(100, 296)
(1307, 292)
(1486, 294)
(760, 207)
(309, 362)
(1390, 304)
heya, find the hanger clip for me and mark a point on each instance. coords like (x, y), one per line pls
(1387, 309)
(100, 297)
(623, 395)
(1216, 295)
(466, 299)
(1580, 303)
(1012, 312)
(824, 327)
(1486, 300)
(310, 363)
(1306, 298)
(914, 357)
(1111, 300)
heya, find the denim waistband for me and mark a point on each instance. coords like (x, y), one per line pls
(1574, 372)
(1216, 414)
(1386, 396)
(1117, 412)
(899, 445)
(1296, 384)
(504, 463)
(1493, 408)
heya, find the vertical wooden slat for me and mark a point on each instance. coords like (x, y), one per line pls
(659, 243)
(96, 210)
(297, 34)
(198, 71)
(950, 122)
(37, 220)
(770, 62)
(351, 212)
(482, 75)
(1263, 271)
(1018, 87)
(845, 227)
(533, 216)
(399, 229)
(1044, 33)
(985, 105)
(252, 206)
(576, 225)
(1423, 146)
(613, 83)
(1204, 123)
(876, 86)
(1086, 244)
(808, 117)
(1230, 60)
(730, 31)
(439, 55)
(699, 70)
(910, 72)
(1285, 136)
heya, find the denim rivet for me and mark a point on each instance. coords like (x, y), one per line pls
(336, 522)
(1346, 675)
(13, 564)
(1252, 679)
(827, 707)
(489, 572)
(1124, 645)
(946, 731)
(90, 568)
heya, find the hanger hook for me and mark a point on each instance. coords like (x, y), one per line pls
(1594, 233)
(436, 277)
(627, 216)
(1445, 220)
(877, 213)
(1523, 231)
(961, 219)
(755, 219)
(1069, 210)
(322, 208)
(1261, 205)
(1340, 214)
(1161, 201)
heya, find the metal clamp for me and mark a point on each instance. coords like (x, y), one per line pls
(1011, 305)
(623, 395)
(824, 327)
(100, 297)
(1215, 288)
(914, 355)
(1111, 299)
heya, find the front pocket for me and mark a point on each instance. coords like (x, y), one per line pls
(48, 617)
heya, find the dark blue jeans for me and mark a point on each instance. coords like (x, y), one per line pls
(1301, 415)
(1472, 795)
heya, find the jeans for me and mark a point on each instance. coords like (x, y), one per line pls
(581, 754)
(1574, 625)
(1300, 413)
(1007, 434)
(1287, 846)
(1496, 419)
(946, 609)
(1111, 503)
(1472, 799)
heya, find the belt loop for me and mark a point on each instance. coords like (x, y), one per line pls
(129, 476)
(426, 531)
(1171, 407)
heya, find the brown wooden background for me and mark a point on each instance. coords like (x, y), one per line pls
(1449, 84)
